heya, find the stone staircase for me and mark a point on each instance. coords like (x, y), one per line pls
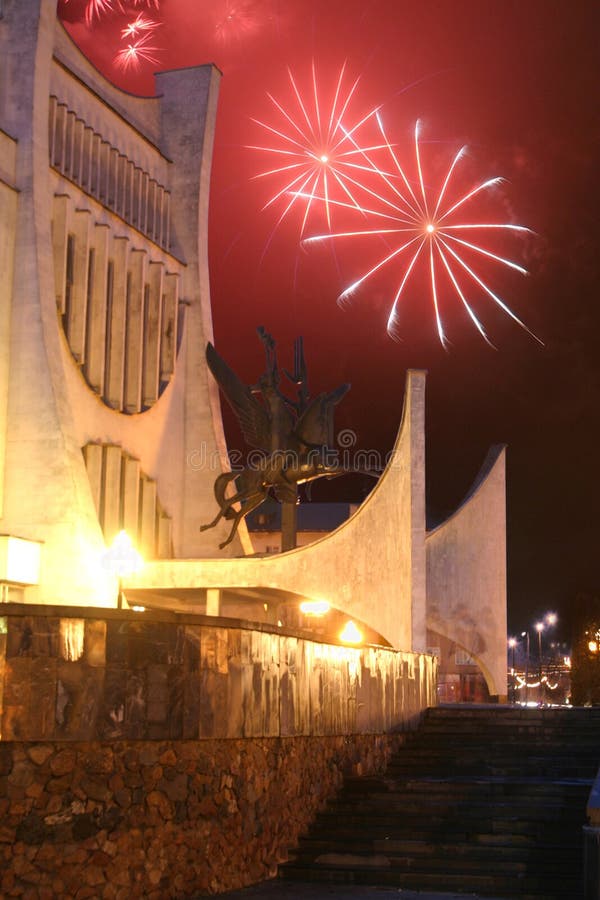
(480, 799)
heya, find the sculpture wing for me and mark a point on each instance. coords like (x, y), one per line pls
(252, 415)
(315, 425)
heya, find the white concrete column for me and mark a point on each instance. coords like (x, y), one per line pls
(168, 344)
(59, 136)
(147, 533)
(134, 329)
(151, 201)
(152, 334)
(121, 203)
(95, 355)
(112, 492)
(165, 537)
(136, 197)
(95, 154)
(69, 141)
(104, 171)
(166, 228)
(8, 217)
(94, 464)
(131, 496)
(115, 315)
(113, 178)
(77, 161)
(77, 308)
(213, 602)
(85, 175)
(52, 127)
(61, 223)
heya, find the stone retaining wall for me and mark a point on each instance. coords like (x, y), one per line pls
(164, 756)
(163, 819)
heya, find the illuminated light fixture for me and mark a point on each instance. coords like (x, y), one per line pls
(539, 627)
(19, 562)
(593, 646)
(512, 642)
(138, 608)
(314, 607)
(351, 634)
(122, 559)
(551, 618)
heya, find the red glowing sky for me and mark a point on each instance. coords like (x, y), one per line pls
(516, 81)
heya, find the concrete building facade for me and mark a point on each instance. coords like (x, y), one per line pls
(105, 309)
(106, 401)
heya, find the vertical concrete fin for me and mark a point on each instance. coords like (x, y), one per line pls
(415, 412)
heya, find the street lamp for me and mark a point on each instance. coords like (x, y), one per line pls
(122, 559)
(512, 643)
(539, 627)
(525, 634)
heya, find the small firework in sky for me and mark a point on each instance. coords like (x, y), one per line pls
(429, 228)
(317, 159)
(237, 20)
(95, 9)
(132, 56)
(138, 26)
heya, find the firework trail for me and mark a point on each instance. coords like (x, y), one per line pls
(316, 157)
(429, 228)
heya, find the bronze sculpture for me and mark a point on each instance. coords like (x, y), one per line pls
(294, 438)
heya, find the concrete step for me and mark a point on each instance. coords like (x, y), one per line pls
(504, 885)
(483, 799)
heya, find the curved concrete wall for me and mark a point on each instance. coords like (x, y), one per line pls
(51, 413)
(466, 573)
(372, 567)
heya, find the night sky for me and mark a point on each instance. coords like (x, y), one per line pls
(515, 80)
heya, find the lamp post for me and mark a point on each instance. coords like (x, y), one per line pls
(512, 643)
(525, 634)
(122, 559)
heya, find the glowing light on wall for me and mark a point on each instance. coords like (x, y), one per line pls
(72, 633)
(19, 560)
(351, 634)
(122, 559)
(314, 607)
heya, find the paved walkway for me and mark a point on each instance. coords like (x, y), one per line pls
(282, 890)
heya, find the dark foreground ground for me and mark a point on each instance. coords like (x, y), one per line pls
(281, 890)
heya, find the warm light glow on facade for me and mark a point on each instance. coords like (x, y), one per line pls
(122, 559)
(351, 634)
(19, 560)
(314, 607)
(72, 633)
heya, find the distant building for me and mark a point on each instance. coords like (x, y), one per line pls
(315, 520)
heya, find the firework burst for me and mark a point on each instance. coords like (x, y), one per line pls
(429, 228)
(96, 9)
(131, 56)
(317, 157)
(138, 26)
